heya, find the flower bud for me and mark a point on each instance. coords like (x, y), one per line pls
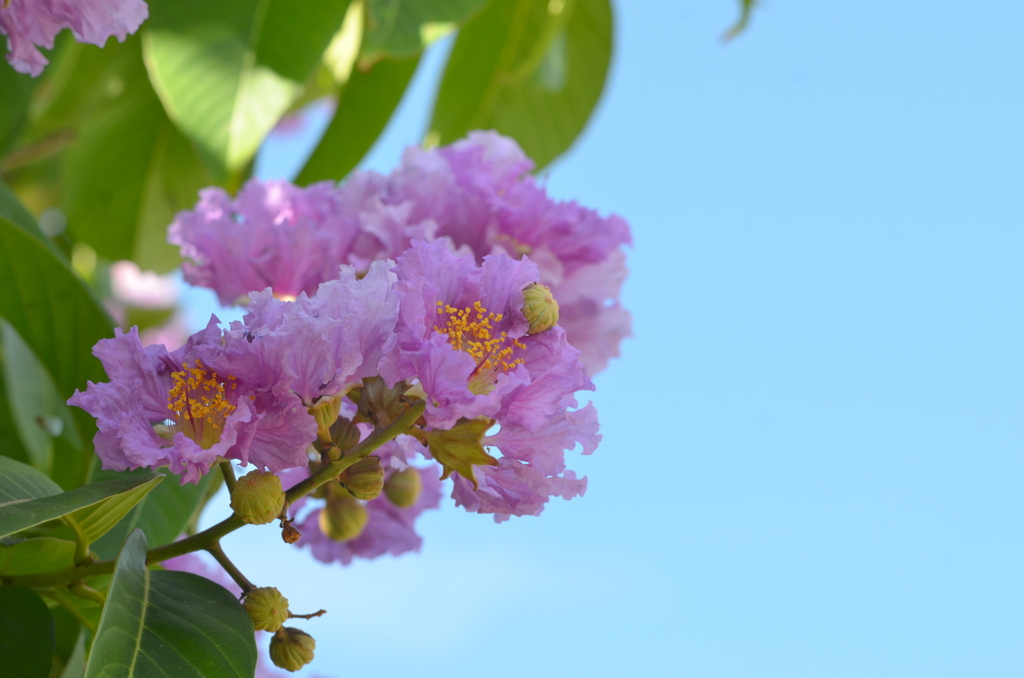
(290, 533)
(325, 412)
(257, 497)
(343, 518)
(364, 479)
(291, 649)
(540, 308)
(403, 487)
(267, 608)
(345, 434)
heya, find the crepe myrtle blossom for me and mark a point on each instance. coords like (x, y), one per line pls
(314, 347)
(463, 335)
(30, 24)
(284, 237)
(178, 409)
(476, 194)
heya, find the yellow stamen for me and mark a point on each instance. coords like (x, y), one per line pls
(471, 329)
(197, 403)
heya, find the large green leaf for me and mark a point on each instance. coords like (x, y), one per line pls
(54, 312)
(365, 105)
(227, 71)
(531, 69)
(39, 554)
(10, 440)
(40, 414)
(94, 508)
(128, 172)
(400, 29)
(27, 633)
(169, 624)
(163, 514)
(20, 482)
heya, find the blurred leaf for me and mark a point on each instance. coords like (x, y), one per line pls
(10, 440)
(12, 209)
(364, 107)
(169, 624)
(20, 482)
(39, 413)
(127, 174)
(74, 667)
(227, 71)
(55, 314)
(94, 507)
(746, 8)
(17, 90)
(163, 514)
(400, 29)
(531, 69)
(38, 554)
(27, 633)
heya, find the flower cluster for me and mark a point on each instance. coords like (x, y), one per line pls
(476, 195)
(30, 24)
(298, 383)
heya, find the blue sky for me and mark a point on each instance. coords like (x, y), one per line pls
(812, 457)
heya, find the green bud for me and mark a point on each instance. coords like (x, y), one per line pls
(364, 479)
(540, 308)
(291, 649)
(267, 608)
(403, 487)
(345, 434)
(325, 411)
(343, 518)
(257, 497)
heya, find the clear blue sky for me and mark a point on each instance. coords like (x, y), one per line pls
(812, 463)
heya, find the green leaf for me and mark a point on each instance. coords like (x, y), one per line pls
(54, 313)
(20, 482)
(91, 507)
(530, 69)
(40, 415)
(12, 210)
(39, 554)
(10, 440)
(169, 624)
(365, 105)
(128, 172)
(17, 89)
(227, 71)
(163, 514)
(400, 29)
(75, 666)
(460, 448)
(27, 633)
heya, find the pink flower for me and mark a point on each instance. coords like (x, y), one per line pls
(30, 24)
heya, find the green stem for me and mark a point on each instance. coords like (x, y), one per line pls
(87, 592)
(82, 555)
(212, 535)
(218, 553)
(228, 471)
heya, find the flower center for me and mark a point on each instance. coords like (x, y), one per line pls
(472, 330)
(199, 404)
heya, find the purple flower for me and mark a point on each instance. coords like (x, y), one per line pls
(177, 409)
(476, 194)
(532, 467)
(287, 238)
(314, 347)
(480, 193)
(30, 24)
(462, 334)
